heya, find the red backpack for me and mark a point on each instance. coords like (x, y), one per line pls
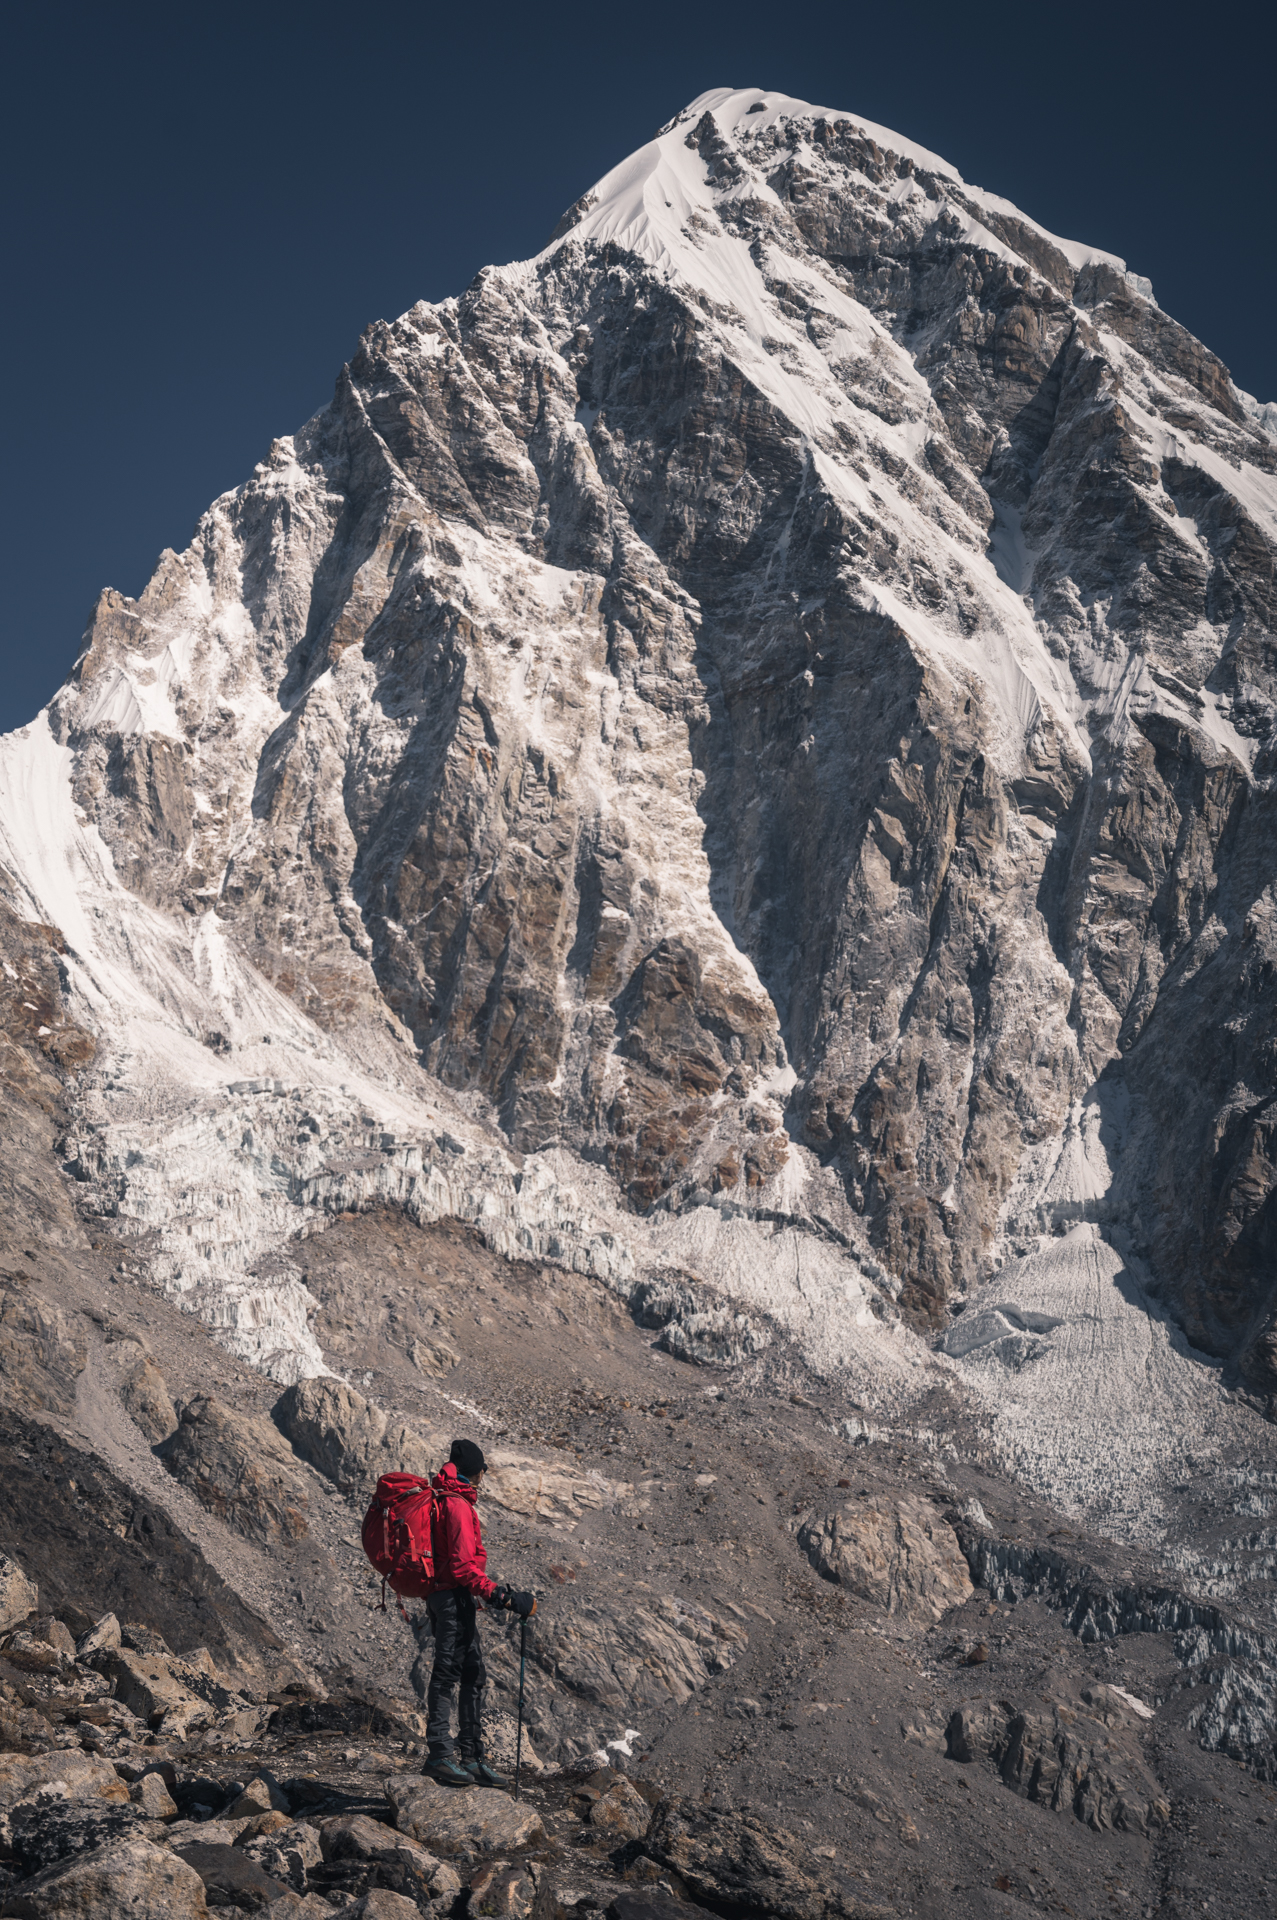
(397, 1535)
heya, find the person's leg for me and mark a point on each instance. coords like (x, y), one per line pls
(423, 1632)
(474, 1677)
(444, 1674)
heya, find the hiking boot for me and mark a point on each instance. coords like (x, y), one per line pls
(482, 1775)
(448, 1773)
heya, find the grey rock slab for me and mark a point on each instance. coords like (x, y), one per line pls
(900, 1554)
(153, 1798)
(381, 1904)
(146, 1399)
(462, 1821)
(18, 1595)
(736, 1861)
(354, 1836)
(128, 1880)
(70, 1775)
(229, 1876)
(102, 1637)
(238, 1466)
(288, 1853)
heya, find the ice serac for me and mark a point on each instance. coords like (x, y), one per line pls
(775, 694)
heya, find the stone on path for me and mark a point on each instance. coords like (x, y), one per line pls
(129, 1880)
(457, 1821)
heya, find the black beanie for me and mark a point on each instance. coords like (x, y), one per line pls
(467, 1458)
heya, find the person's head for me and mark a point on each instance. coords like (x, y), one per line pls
(467, 1458)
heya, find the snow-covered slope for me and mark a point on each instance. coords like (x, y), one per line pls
(743, 744)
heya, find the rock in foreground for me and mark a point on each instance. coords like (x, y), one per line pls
(456, 1823)
(737, 1863)
(131, 1880)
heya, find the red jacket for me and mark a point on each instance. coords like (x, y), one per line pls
(459, 1553)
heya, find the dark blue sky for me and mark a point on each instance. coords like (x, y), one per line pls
(205, 205)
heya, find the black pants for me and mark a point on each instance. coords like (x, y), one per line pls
(458, 1657)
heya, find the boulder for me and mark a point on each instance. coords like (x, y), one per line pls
(102, 1637)
(299, 1906)
(433, 1357)
(230, 1877)
(737, 1863)
(348, 1439)
(156, 1687)
(44, 1646)
(501, 1892)
(69, 1775)
(41, 1832)
(902, 1555)
(153, 1797)
(288, 1853)
(263, 1794)
(381, 1904)
(129, 1880)
(621, 1810)
(49, 1631)
(358, 1838)
(655, 1906)
(239, 1468)
(353, 1843)
(144, 1392)
(455, 1824)
(18, 1595)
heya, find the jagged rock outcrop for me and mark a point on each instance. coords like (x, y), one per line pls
(1082, 1757)
(146, 1398)
(238, 1467)
(592, 1668)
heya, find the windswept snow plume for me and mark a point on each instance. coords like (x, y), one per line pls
(736, 753)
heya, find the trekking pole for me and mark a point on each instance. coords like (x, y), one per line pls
(523, 1662)
(518, 1742)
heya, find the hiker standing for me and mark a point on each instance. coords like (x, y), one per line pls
(460, 1582)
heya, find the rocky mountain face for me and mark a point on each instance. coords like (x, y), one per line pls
(776, 694)
(682, 879)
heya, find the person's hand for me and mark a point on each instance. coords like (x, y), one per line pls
(524, 1604)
